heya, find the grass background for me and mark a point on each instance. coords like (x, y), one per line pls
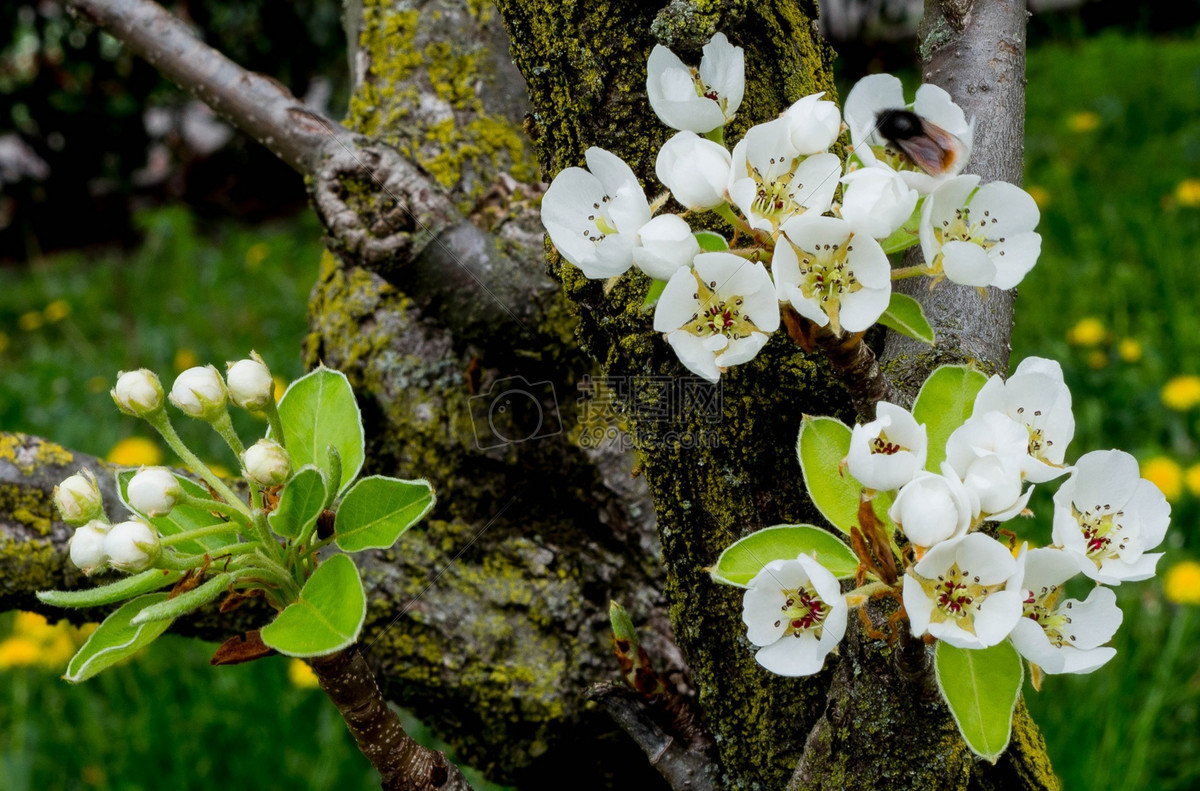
(1113, 132)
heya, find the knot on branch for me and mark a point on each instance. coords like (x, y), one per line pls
(379, 211)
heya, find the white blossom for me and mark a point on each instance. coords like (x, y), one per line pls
(966, 591)
(989, 453)
(87, 546)
(694, 169)
(251, 385)
(830, 274)
(154, 491)
(200, 392)
(718, 314)
(1036, 397)
(667, 244)
(138, 393)
(795, 611)
(266, 463)
(887, 452)
(1108, 517)
(697, 100)
(770, 180)
(593, 216)
(813, 124)
(131, 546)
(1063, 635)
(933, 508)
(78, 498)
(980, 237)
(876, 201)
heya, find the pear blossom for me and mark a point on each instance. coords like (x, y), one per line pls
(86, 547)
(794, 610)
(813, 123)
(770, 180)
(876, 201)
(830, 274)
(717, 314)
(667, 244)
(154, 491)
(966, 591)
(131, 546)
(880, 92)
(593, 216)
(1107, 517)
(200, 392)
(694, 169)
(1063, 635)
(1036, 397)
(251, 385)
(989, 453)
(980, 237)
(887, 452)
(933, 508)
(78, 498)
(697, 100)
(138, 393)
(266, 463)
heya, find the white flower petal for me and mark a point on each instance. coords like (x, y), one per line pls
(968, 264)
(1006, 208)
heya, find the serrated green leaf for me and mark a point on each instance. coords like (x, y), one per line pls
(113, 592)
(711, 241)
(377, 510)
(742, 561)
(319, 410)
(822, 446)
(184, 603)
(944, 403)
(184, 517)
(116, 639)
(301, 503)
(981, 688)
(905, 315)
(328, 615)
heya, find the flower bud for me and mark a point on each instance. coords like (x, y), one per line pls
(78, 498)
(200, 392)
(250, 384)
(87, 546)
(138, 393)
(266, 463)
(154, 491)
(934, 508)
(694, 169)
(131, 546)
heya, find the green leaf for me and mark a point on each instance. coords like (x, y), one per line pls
(377, 510)
(328, 615)
(184, 517)
(301, 503)
(184, 603)
(822, 446)
(944, 403)
(981, 688)
(905, 315)
(124, 588)
(116, 639)
(906, 235)
(745, 558)
(711, 241)
(656, 290)
(319, 410)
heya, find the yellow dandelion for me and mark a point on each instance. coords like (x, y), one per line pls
(1166, 474)
(135, 451)
(18, 652)
(57, 310)
(185, 359)
(1182, 582)
(301, 675)
(220, 470)
(32, 625)
(256, 254)
(1040, 195)
(1129, 350)
(1085, 121)
(281, 386)
(1088, 331)
(98, 384)
(1187, 193)
(30, 321)
(1191, 479)
(1182, 392)
(3, 342)
(1097, 359)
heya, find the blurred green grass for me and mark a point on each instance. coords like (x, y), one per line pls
(1113, 129)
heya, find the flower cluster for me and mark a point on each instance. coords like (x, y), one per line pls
(959, 583)
(811, 232)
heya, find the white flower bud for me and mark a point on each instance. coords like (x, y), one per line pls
(694, 169)
(154, 491)
(138, 393)
(200, 392)
(131, 546)
(250, 383)
(934, 508)
(87, 546)
(78, 498)
(266, 463)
